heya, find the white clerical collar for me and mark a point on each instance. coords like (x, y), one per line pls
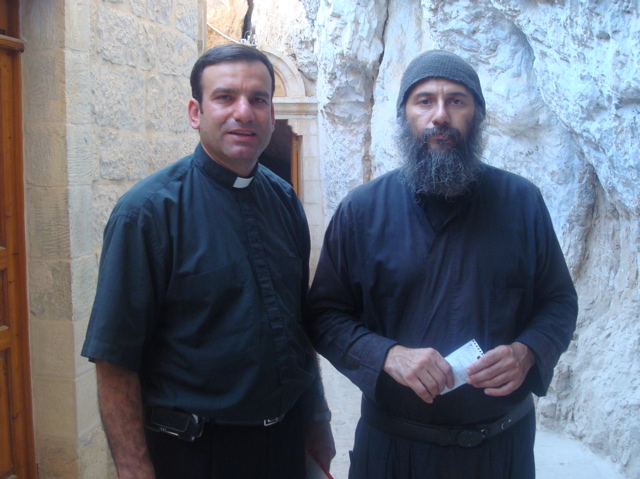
(242, 182)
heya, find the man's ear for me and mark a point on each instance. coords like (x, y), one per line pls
(194, 113)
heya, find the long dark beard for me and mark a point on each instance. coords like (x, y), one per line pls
(447, 171)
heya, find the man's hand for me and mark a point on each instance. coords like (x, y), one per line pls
(320, 443)
(423, 370)
(501, 370)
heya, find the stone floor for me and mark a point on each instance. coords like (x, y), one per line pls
(557, 457)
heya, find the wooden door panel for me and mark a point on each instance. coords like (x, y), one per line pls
(17, 458)
(6, 450)
(3, 300)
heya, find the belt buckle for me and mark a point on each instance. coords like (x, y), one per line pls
(471, 437)
(271, 422)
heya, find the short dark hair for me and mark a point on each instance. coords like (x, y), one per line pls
(230, 52)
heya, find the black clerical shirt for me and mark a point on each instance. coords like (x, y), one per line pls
(202, 279)
(423, 272)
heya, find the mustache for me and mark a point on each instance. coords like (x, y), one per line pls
(441, 130)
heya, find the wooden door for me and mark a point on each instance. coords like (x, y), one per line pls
(295, 162)
(17, 458)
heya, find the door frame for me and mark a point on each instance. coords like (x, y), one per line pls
(16, 329)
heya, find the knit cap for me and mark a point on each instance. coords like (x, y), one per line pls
(440, 64)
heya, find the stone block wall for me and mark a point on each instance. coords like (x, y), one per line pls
(105, 104)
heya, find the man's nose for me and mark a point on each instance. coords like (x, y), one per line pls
(243, 112)
(440, 115)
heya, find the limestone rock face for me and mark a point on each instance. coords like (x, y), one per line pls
(227, 17)
(561, 82)
(282, 26)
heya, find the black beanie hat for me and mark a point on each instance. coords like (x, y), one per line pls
(439, 64)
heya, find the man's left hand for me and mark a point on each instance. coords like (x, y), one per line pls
(502, 370)
(320, 443)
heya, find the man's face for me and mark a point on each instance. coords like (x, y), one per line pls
(440, 139)
(236, 117)
(436, 102)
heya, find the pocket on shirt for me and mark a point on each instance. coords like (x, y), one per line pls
(503, 315)
(218, 300)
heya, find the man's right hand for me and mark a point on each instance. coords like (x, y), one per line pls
(423, 370)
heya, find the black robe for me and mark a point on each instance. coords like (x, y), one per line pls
(424, 272)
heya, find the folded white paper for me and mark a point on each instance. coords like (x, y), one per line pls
(460, 360)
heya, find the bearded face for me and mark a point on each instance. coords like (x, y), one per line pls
(439, 161)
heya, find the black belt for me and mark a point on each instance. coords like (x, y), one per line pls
(189, 426)
(265, 423)
(465, 436)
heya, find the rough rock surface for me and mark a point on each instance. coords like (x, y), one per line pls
(227, 17)
(561, 83)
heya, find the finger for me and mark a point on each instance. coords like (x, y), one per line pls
(503, 390)
(500, 362)
(507, 368)
(414, 382)
(447, 371)
(484, 375)
(435, 385)
(494, 381)
(504, 384)
(486, 361)
(477, 366)
(431, 384)
(441, 373)
(423, 393)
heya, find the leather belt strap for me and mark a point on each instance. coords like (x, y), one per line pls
(265, 423)
(173, 415)
(469, 436)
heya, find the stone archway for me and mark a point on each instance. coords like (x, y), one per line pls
(301, 114)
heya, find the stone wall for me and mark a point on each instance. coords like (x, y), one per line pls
(105, 94)
(561, 84)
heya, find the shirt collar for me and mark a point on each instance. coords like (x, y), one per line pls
(219, 173)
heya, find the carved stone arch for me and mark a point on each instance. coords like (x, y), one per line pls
(289, 81)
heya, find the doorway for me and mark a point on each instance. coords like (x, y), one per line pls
(282, 155)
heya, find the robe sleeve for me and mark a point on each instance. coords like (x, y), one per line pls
(555, 305)
(335, 308)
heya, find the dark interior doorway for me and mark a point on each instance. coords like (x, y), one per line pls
(280, 156)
